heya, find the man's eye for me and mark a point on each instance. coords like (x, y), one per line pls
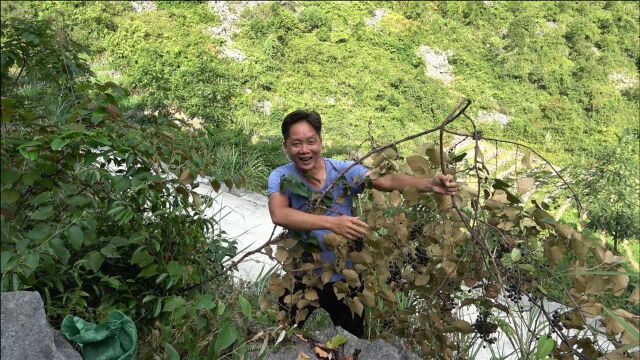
(312, 142)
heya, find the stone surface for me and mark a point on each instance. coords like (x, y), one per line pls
(140, 6)
(492, 116)
(377, 16)
(25, 332)
(379, 350)
(349, 348)
(436, 63)
(289, 353)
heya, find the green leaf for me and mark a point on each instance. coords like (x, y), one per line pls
(5, 260)
(516, 255)
(221, 308)
(94, 260)
(44, 197)
(76, 236)
(161, 277)
(148, 298)
(227, 336)
(42, 213)
(172, 354)
(336, 342)
(148, 271)
(32, 260)
(59, 143)
(245, 306)
(173, 302)
(142, 258)
(205, 302)
(57, 245)
(110, 251)
(158, 308)
(9, 196)
(174, 268)
(8, 176)
(545, 346)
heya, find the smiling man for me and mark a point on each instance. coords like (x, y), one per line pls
(302, 141)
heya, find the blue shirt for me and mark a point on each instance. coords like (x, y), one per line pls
(355, 180)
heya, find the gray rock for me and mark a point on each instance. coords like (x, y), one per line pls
(290, 353)
(25, 333)
(379, 350)
(353, 343)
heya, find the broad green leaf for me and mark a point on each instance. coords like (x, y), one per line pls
(227, 336)
(516, 255)
(42, 213)
(57, 245)
(5, 258)
(205, 302)
(148, 298)
(32, 260)
(59, 143)
(42, 198)
(336, 342)
(174, 268)
(142, 258)
(76, 236)
(8, 176)
(149, 270)
(172, 354)
(173, 302)
(110, 251)
(9, 196)
(94, 260)
(545, 346)
(245, 306)
(221, 308)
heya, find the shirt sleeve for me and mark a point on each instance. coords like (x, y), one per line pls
(275, 178)
(355, 176)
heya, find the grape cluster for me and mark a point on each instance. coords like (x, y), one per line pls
(485, 328)
(513, 292)
(356, 245)
(556, 320)
(448, 303)
(416, 231)
(396, 275)
(421, 255)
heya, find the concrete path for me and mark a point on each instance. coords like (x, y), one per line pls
(244, 216)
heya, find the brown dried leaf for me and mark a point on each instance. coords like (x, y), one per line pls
(463, 326)
(352, 277)
(311, 294)
(281, 254)
(395, 198)
(362, 257)
(326, 276)
(635, 296)
(525, 184)
(321, 352)
(411, 195)
(379, 202)
(418, 164)
(422, 279)
(619, 283)
(367, 298)
(526, 160)
(303, 356)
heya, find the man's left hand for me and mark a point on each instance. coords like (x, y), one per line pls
(444, 184)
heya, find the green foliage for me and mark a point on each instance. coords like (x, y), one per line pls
(99, 213)
(609, 182)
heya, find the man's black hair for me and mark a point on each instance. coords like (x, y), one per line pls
(312, 117)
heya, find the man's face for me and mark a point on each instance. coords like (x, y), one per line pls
(303, 146)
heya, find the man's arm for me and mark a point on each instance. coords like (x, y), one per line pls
(440, 184)
(283, 215)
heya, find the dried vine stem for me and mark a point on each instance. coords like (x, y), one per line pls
(454, 114)
(481, 137)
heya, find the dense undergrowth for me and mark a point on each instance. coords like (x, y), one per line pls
(98, 208)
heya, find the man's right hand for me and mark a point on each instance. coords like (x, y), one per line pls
(350, 227)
